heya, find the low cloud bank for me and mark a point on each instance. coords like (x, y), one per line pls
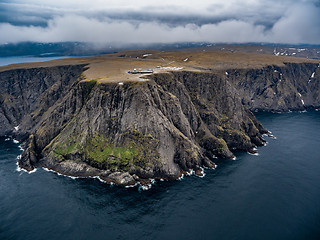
(300, 23)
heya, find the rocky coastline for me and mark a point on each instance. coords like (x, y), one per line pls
(173, 123)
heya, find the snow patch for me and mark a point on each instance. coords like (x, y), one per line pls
(172, 68)
(312, 76)
(16, 128)
(120, 83)
(186, 59)
(302, 101)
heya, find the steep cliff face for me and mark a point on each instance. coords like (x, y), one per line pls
(152, 129)
(24, 91)
(139, 130)
(291, 87)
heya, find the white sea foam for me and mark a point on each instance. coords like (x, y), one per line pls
(19, 169)
(131, 186)
(47, 169)
(203, 174)
(161, 180)
(254, 154)
(190, 172)
(15, 141)
(100, 179)
(234, 158)
(153, 181)
(7, 139)
(144, 187)
(270, 135)
(181, 177)
(59, 174)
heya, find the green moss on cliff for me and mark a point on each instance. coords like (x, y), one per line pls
(134, 150)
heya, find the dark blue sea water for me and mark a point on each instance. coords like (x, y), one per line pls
(275, 195)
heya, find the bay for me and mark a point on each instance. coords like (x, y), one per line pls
(26, 59)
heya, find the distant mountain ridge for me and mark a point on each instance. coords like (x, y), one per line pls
(87, 49)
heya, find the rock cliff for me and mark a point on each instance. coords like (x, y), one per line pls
(292, 87)
(159, 128)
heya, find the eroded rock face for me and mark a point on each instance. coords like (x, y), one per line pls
(140, 130)
(295, 86)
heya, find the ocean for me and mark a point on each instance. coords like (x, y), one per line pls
(26, 59)
(274, 195)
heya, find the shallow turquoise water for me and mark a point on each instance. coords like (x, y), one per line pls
(275, 195)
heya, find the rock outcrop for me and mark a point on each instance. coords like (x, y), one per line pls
(292, 87)
(135, 131)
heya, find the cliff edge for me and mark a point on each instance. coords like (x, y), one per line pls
(159, 126)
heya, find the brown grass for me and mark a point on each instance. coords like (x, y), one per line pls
(115, 67)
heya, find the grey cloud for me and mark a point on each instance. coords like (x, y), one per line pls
(246, 21)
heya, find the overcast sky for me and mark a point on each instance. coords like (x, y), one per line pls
(165, 21)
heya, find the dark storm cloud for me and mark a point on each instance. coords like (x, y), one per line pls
(122, 21)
